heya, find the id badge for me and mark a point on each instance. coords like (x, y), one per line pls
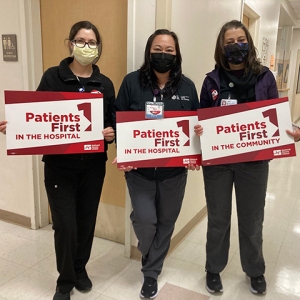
(226, 102)
(154, 110)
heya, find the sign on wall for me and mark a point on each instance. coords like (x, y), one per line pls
(9, 46)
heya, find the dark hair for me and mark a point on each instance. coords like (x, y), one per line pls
(252, 61)
(147, 76)
(86, 25)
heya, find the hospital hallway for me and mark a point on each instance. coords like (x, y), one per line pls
(28, 272)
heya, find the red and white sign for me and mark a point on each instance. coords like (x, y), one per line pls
(53, 122)
(246, 132)
(167, 142)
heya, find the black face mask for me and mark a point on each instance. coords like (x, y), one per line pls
(162, 62)
(236, 53)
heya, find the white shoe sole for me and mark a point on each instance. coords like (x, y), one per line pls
(252, 290)
(152, 297)
(212, 291)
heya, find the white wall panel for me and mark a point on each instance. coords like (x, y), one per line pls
(141, 24)
(197, 24)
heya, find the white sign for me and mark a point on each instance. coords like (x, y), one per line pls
(166, 142)
(246, 132)
(53, 122)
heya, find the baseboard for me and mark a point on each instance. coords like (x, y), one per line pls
(178, 238)
(15, 218)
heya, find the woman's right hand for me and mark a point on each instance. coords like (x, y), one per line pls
(123, 168)
(295, 134)
(3, 126)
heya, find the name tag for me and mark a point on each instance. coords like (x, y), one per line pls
(226, 102)
(154, 110)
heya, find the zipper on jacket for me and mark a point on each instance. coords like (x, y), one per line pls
(154, 174)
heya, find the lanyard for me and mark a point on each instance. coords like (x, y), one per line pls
(81, 89)
(156, 92)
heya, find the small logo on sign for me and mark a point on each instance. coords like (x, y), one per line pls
(94, 147)
(277, 152)
(187, 161)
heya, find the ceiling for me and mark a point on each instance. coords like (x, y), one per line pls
(296, 6)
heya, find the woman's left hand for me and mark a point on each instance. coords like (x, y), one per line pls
(123, 168)
(198, 129)
(109, 134)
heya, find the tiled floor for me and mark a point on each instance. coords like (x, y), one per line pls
(27, 262)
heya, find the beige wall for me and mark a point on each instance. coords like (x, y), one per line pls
(18, 194)
(293, 75)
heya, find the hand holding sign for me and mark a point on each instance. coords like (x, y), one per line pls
(198, 129)
(295, 133)
(122, 167)
(3, 127)
(109, 134)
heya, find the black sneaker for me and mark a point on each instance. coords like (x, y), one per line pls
(258, 285)
(84, 285)
(61, 296)
(149, 288)
(213, 283)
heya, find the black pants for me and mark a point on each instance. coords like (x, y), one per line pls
(156, 205)
(250, 183)
(74, 195)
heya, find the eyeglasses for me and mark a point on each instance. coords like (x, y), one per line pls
(82, 43)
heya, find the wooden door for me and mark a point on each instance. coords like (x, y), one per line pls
(110, 17)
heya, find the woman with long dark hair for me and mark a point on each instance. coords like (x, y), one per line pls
(156, 193)
(238, 77)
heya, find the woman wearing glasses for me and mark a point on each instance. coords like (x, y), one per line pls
(74, 182)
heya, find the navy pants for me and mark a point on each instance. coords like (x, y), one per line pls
(156, 206)
(74, 195)
(250, 183)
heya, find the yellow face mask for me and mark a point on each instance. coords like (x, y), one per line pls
(85, 55)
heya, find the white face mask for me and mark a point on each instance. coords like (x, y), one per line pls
(85, 55)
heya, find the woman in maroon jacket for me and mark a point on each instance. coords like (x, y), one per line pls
(237, 78)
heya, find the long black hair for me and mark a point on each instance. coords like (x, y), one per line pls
(252, 62)
(147, 76)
